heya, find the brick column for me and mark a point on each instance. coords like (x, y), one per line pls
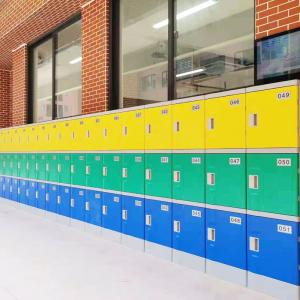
(95, 55)
(19, 85)
(5, 98)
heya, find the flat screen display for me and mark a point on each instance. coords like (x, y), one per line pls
(278, 56)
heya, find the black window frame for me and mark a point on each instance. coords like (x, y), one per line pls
(52, 35)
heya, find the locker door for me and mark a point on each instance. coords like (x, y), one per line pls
(32, 197)
(2, 183)
(158, 175)
(111, 131)
(265, 106)
(93, 207)
(94, 170)
(24, 191)
(188, 177)
(7, 187)
(78, 199)
(133, 173)
(225, 119)
(53, 166)
(41, 166)
(64, 168)
(63, 203)
(273, 183)
(15, 161)
(23, 167)
(5, 164)
(15, 186)
(269, 241)
(78, 169)
(1, 161)
(158, 127)
(79, 137)
(188, 125)
(111, 211)
(158, 222)
(226, 179)
(189, 229)
(66, 135)
(133, 216)
(51, 198)
(112, 172)
(41, 200)
(31, 164)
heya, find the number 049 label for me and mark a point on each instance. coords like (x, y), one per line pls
(284, 162)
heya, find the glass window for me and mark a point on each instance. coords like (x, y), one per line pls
(144, 52)
(214, 46)
(42, 84)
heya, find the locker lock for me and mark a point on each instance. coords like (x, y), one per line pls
(211, 234)
(176, 176)
(254, 244)
(124, 214)
(211, 180)
(253, 182)
(148, 220)
(148, 174)
(176, 226)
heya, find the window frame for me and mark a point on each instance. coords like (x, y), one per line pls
(52, 35)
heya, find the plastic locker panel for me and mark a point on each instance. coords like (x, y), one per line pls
(158, 120)
(225, 119)
(158, 173)
(32, 166)
(133, 133)
(51, 198)
(41, 160)
(94, 170)
(64, 168)
(226, 179)
(15, 160)
(15, 188)
(273, 183)
(133, 173)
(133, 216)
(32, 197)
(95, 133)
(188, 177)
(53, 166)
(112, 211)
(93, 207)
(111, 131)
(78, 132)
(23, 166)
(9, 164)
(42, 139)
(2, 189)
(64, 201)
(41, 199)
(1, 162)
(188, 125)
(112, 171)
(23, 137)
(77, 204)
(7, 190)
(265, 106)
(78, 169)
(24, 191)
(54, 136)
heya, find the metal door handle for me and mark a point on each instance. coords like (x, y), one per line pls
(125, 130)
(58, 168)
(104, 210)
(148, 128)
(211, 124)
(254, 244)
(211, 234)
(253, 120)
(124, 214)
(148, 220)
(176, 176)
(87, 206)
(104, 171)
(148, 174)
(58, 200)
(176, 226)
(72, 169)
(253, 182)
(211, 180)
(72, 202)
(87, 170)
(124, 172)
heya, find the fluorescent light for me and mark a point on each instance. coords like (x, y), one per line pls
(190, 73)
(75, 61)
(187, 13)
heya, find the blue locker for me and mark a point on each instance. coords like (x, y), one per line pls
(133, 216)
(51, 198)
(41, 195)
(189, 229)
(32, 197)
(23, 191)
(93, 207)
(15, 188)
(77, 204)
(2, 183)
(63, 203)
(226, 238)
(111, 211)
(273, 248)
(158, 222)
(7, 188)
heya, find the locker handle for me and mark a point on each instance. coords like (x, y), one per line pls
(177, 126)
(72, 203)
(211, 234)
(27, 165)
(47, 197)
(37, 194)
(19, 165)
(253, 182)
(211, 179)
(124, 172)
(104, 171)
(125, 130)
(148, 220)
(124, 214)
(10, 189)
(253, 120)
(88, 134)
(148, 129)
(105, 132)
(27, 193)
(87, 206)
(148, 174)
(104, 210)
(176, 176)
(58, 199)
(72, 169)
(47, 167)
(211, 123)
(37, 166)
(58, 168)
(87, 170)
(254, 244)
(176, 226)
(19, 191)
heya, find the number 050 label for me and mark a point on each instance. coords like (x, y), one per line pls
(284, 162)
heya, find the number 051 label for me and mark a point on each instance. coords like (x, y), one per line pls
(284, 162)
(284, 229)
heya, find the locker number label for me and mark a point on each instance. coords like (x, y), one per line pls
(196, 213)
(164, 207)
(235, 220)
(234, 161)
(138, 203)
(138, 159)
(284, 229)
(196, 160)
(196, 107)
(164, 111)
(284, 95)
(234, 102)
(164, 160)
(284, 162)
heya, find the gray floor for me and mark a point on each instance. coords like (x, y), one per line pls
(41, 259)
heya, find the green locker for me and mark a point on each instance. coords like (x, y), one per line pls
(64, 168)
(94, 170)
(5, 164)
(133, 173)
(15, 160)
(78, 169)
(158, 174)
(189, 177)
(41, 160)
(32, 166)
(52, 167)
(1, 163)
(273, 183)
(226, 180)
(112, 171)
(10, 164)
(22, 165)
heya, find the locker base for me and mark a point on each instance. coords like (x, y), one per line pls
(133, 242)
(275, 288)
(111, 235)
(92, 229)
(226, 272)
(63, 220)
(77, 224)
(189, 260)
(158, 250)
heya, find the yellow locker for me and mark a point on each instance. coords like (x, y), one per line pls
(272, 117)
(8, 140)
(158, 121)
(52, 136)
(15, 141)
(188, 124)
(94, 133)
(65, 135)
(133, 129)
(225, 118)
(78, 134)
(23, 137)
(42, 137)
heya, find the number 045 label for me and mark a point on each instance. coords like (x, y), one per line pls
(284, 162)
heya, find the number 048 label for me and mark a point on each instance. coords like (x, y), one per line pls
(284, 162)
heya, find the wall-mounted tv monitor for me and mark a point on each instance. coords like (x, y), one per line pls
(278, 57)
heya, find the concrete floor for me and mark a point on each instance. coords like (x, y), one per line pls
(41, 259)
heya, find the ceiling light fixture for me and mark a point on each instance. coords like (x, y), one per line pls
(75, 61)
(190, 73)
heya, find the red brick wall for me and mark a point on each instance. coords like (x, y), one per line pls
(275, 16)
(95, 56)
(5, 98)
(19, 86)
